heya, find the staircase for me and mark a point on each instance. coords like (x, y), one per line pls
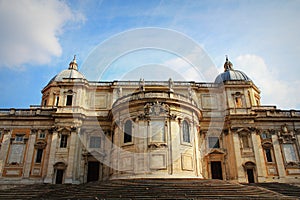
(282, 188)
(161, 189)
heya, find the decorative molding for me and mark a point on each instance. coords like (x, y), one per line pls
(245, 130)
(292, 165)
(249, 165)
(154, 145)
(172, 116)
(40, 144)
(267, 144)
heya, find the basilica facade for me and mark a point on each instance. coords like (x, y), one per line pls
(94, 131)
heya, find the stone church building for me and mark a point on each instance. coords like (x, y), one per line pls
(94, 131)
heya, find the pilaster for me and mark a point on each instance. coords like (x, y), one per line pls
(71, 158)
(4, 149)
(29, 156)
(50, 170)
(278, 156)
(259, 158)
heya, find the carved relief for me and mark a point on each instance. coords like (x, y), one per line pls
(286, 136)
(155, 109)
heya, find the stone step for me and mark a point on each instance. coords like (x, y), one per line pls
(282, 188)
(161, 189)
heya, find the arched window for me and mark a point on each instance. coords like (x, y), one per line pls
(128, 131)
(186, 132)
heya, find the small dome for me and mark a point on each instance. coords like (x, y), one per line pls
(230, 74)
(67, 73)
(70, 73)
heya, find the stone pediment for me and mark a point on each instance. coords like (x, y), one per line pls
(217, 151)
(96, 154)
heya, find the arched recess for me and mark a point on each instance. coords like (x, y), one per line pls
(59, 171)
(186, 132)
(250, 171)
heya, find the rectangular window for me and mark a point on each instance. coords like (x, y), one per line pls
(39, 155)
(95, 142)
(19, 138)
(63, 141)
(213, 142)
(268, 153)
(245, 141)
(69, 100)
(157, 131)
(42, 135)
(56, 100)
(128, 131)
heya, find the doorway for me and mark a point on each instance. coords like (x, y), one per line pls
(216, 170)
(59, 176)
(250, 175)
(93, 171)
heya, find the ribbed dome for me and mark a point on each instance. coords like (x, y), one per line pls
(230, 74)
(67, 73)
(70, 73)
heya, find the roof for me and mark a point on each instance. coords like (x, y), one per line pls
(70, 73)
(230, 74)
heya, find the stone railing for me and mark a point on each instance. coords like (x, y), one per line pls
(70, 109)
(283, 113)
(95, 83)
(27, 112)
(153, 83)
(259, 108)
(271, 111)
(239, 111)
(155, 94)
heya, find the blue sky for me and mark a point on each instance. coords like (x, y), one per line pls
(39, 38)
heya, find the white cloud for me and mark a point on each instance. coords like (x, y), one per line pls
(30, 29)
(185, 69)
(274, 90)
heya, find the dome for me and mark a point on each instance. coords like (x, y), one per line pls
(70, 73)
(230, 74)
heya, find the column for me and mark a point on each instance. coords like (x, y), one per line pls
(51, 162)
